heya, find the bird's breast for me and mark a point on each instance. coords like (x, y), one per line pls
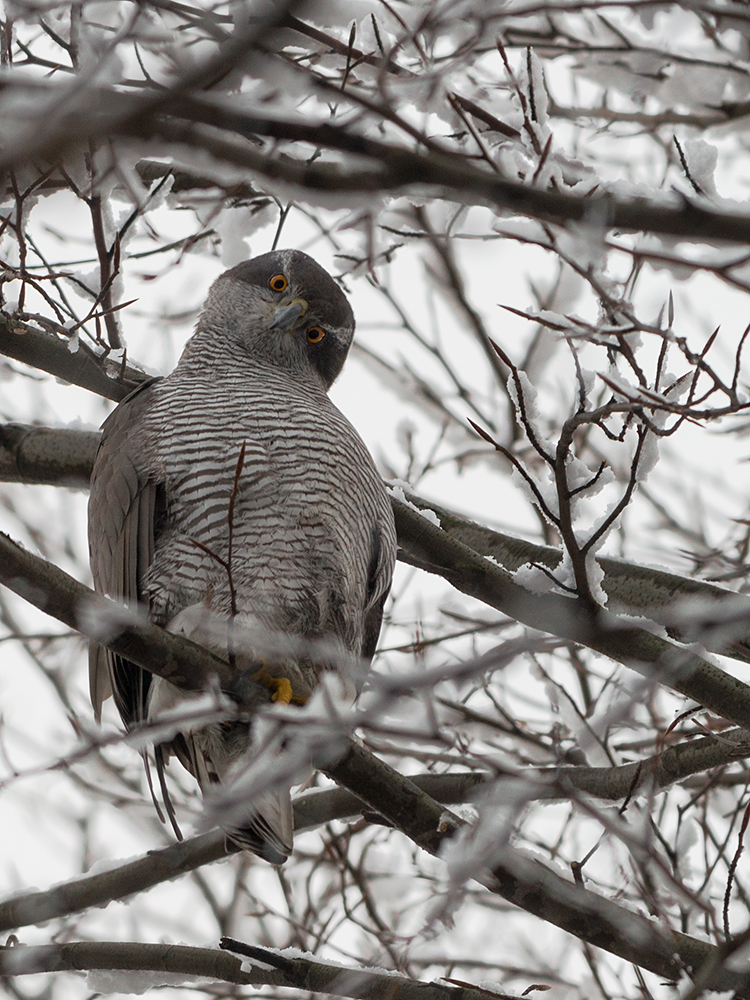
(271, 497)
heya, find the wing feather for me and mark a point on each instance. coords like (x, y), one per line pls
(122, 506)
(379, 575)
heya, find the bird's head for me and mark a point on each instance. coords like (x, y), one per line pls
(285, 308)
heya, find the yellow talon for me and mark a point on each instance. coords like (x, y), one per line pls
(281, 686)
(282, 690)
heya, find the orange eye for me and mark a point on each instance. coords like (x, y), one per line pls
(315, 334)
(278, 282)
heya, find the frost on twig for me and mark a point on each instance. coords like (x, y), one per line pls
(565, 184)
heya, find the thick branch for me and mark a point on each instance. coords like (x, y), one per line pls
(297, 972)
(720, 619)
(105, 955)
(525, 883)
(435, 551)
(398, 170)
(324, 805)
(176, 118)
(150, 171)
(50, 353)
(310, 810)
(388, 792)
(656, 772)
(658, 659)
(318, 977)
(46, 455)
(64, 457)
(53, 591)
(117, 883)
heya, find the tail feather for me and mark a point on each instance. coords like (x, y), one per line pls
(265, 825)
(159, 756)
(259, 838)
(214, 755)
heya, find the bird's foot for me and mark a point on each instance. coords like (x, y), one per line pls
(280, 686)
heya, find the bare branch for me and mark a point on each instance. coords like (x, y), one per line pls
(275, 969)
(44, 455)
(53, 591)
(27, 343)
(715, 616)
(313, 809)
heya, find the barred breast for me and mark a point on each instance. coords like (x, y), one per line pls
(305, 504)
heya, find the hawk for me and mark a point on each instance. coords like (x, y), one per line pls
(236, 503)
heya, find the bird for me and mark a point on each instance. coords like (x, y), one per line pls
(233, 498)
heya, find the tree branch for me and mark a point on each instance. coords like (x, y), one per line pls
(655, 658)
(523, 882)
(310, 810)
(397, 170)
(56, 457)
(720, 623)
(518, 879)
(184, 663)
(277, 969)
(117, 883)
(64, 457)
(197, 122)
(174, 960)
(40, 349)
(429, 547)
(324, 805)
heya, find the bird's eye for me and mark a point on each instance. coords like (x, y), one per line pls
(278, 282)
(315, 334)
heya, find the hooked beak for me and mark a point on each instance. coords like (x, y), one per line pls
(286, 316)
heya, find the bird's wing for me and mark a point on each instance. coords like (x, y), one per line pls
(379, 576)
(122, 513)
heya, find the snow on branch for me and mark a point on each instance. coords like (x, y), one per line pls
(130, 967)
(563, 180)
(58, 594)
(524, 882)
(119, 964)
(690, 609)
(214, 127)
(25, 339)
(52, 590)
(653, 657)
(318, 807)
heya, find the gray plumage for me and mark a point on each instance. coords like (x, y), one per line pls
(313, 540)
